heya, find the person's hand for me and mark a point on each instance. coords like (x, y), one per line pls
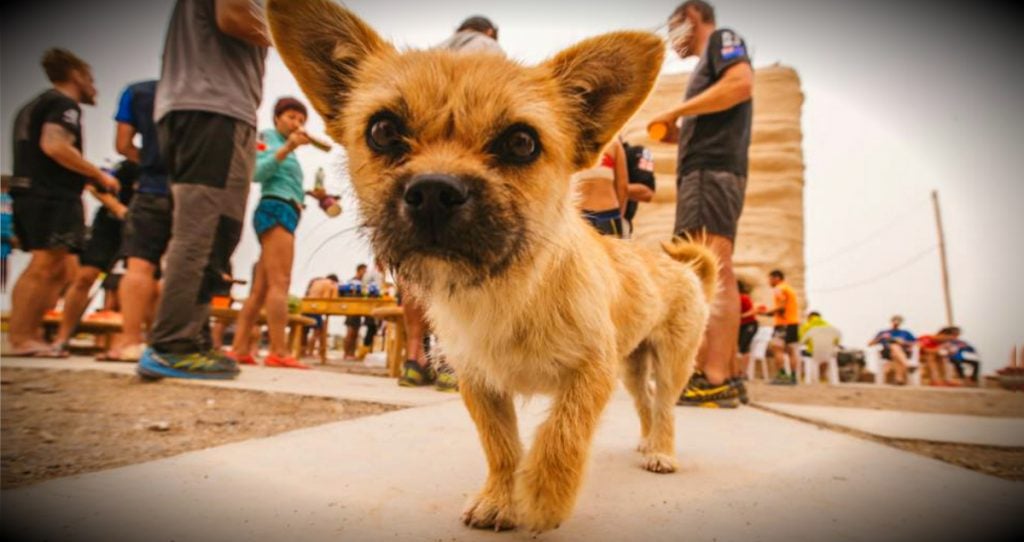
(667, 119)
(318, 193)
(297, 138)
(119, 211)
(108, 182)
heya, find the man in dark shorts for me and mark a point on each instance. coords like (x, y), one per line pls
(711, 177)
(49, 175)
(147, 229)
(211, 84)
(101, 252)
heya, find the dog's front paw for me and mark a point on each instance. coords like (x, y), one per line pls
(489, 510)
(660, 463)
(542, 503)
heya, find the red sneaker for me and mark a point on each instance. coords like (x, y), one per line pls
(287, 362)
(244, 359)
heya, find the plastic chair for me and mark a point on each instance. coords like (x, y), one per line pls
(873, 359)
(759, 352)
(826, 349)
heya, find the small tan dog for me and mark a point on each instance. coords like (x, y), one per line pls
(461, 165)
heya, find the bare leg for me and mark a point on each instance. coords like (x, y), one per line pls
(719, 345)
(75, 301)
(414, 329)
(249, 314)
(137, 292)
(278, 250)
(35, 291)
(899, 356)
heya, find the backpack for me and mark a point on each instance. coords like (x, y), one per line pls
(640, 168)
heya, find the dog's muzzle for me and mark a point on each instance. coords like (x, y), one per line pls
(433, 199)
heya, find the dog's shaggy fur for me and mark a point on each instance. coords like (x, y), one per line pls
(525, 297)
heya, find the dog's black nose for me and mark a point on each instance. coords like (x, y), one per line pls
(435, 196)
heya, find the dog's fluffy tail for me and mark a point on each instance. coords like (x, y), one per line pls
(699, 257)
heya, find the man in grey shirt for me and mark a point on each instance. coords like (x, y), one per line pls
(711, 179)
(210, 86)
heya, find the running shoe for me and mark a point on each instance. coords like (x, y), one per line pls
(154, 365)
(287, 362)
(414, 374)
(701, 393)
(446, 379)
(741, 389)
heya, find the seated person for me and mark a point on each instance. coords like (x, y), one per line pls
(896, 347)
(321, 287)
(934, 356)
(961, 353)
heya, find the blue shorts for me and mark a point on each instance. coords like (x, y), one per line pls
(275, 212)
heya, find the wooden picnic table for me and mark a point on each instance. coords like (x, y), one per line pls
(348, 306)
(296, 324)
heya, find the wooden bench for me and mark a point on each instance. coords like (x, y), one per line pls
(394, 338)
(296, 324)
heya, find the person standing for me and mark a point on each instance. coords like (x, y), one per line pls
(712, 177)
(147, 229)
(275, 220)
(785, 345)
(102, 250)
(211, 84)
(50, 173)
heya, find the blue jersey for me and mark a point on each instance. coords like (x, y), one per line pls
(136, 110)
(887, 336)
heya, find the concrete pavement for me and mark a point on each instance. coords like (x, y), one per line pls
(915, 425)
(746, 475)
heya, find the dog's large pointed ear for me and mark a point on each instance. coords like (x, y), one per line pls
(323, 45)
(606, 79)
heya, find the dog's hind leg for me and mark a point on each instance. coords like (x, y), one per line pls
(495, 417)
(636, 376)
(549, 479)
(675, 353)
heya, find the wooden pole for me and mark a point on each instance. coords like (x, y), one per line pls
(942, 258)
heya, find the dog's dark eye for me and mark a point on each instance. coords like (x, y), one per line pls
(385, 134)
(519, 144)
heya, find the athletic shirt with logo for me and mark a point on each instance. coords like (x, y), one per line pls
(205, 69)
(49, 178)
(716, 141)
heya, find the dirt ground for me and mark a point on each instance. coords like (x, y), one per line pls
(998, 461)
(969, 401)
(59, 423)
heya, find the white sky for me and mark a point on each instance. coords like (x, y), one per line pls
(900, 99)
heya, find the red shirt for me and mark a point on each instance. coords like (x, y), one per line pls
(745, 305)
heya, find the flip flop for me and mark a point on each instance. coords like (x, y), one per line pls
(31, 352)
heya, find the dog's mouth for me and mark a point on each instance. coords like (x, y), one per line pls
(453, 220)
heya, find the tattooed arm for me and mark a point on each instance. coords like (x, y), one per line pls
(59, 144)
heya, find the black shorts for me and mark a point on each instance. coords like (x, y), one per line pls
(147, 229)
(790, 334)
(354, 321)
(605, 222)
(104, 243)
(43, 223)
(709, 201)
(887, 351)
(747, 332)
